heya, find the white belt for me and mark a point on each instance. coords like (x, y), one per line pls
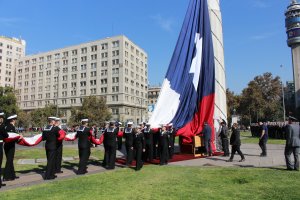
(1, 141)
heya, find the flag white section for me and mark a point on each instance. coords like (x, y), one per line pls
(12, 135)
(166, 107)
(32, 140)
(71, 136)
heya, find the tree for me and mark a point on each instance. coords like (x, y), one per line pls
(93, 108)
(24, 119)
(233, 102)
(39, 116)
(261, 100)
(8, 101)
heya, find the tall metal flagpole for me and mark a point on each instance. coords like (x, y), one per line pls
(283, 103)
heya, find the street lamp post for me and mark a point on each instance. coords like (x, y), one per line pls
(57, 70)
(283, 103)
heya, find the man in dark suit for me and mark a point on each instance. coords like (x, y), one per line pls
(207, 137)
(3, 135)
(224, 138)
(50, 134)
(292, 144)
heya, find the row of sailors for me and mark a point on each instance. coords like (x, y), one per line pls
(143, 144)
(276, 130)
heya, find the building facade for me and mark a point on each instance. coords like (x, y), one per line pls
(292, 25)
(113, 68)
(11, 50)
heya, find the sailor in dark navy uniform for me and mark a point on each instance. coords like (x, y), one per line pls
(110, 144)
(138, 147)
(59, 149)
(148, 135)
(84, 146)
(10, 148)
(128, 135)
(172, 134)
(155, 143)
(119, 139)
(163, 145)
(50, 134)
(3, 135)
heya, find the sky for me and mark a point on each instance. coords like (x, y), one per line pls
(253, 31)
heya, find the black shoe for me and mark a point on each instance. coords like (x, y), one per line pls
(242, 160)
(16, 177)
(230, 160)
(59, 172)
(8, 179)
(2, 184)
(289, 169)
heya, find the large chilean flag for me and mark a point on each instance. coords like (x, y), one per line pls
(187, 94)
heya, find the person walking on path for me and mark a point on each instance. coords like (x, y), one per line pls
(263, 138)
(235, 141)
(292, 144)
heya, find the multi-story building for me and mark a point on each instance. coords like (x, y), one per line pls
(11, 49)
(153, 93)
(113, 68)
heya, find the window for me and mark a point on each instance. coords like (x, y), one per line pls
(93, 91)
(74, 60)
(83, 59)
(93, 82)
(114, 97)
(93, 65)
(74, 68)
(115, 53)
(115, 44)
(104, 90)
(103, 72)
(82, 83)
(94, 48)
(74, 52)
(83, 75)
(115, 61)
(94, 57)
(115, 111)
(104, 55)
(82, 92)
(115, 79)
(94, 73)
(83, 50)
(104, 63)
(104, 46)
(83, 67)
(73, 101)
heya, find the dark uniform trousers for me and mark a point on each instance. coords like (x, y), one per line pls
(51, 161)
(50, 134)
(155, 145)
(59, 151)
(9, 170)
(163, 149)
(84, 154)
(128, 135)
(207, 145)
(138, 149)
(110, 155)
(172, 144)
(148, 154)
(119, 143)
(1, 158)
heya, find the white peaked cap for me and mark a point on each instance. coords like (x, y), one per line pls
(84, 120)
(12, 117)
(129, 123)
(52, 118)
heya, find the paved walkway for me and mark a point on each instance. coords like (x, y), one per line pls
(275, 159)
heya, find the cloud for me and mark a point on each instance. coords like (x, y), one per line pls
(260, 4)
(10, 21)
(164, 23)
(263, 36)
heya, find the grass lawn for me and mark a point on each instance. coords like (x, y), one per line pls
(35, 153)
(246, 137)
(169, 182)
